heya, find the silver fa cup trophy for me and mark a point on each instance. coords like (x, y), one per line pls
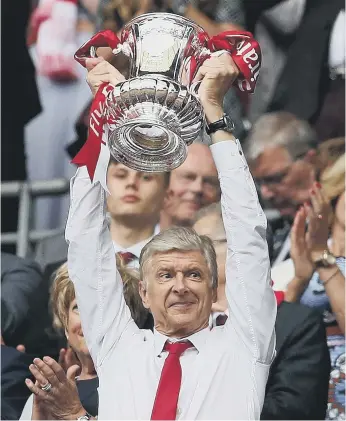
(156, 113)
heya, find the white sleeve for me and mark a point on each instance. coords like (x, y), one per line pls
(92, 268)
(251, 300)
(27, 410)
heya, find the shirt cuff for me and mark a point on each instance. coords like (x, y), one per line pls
(228, 155)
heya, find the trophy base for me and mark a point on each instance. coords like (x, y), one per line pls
(145, 145)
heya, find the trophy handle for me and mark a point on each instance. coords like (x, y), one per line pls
(194, 88)
(101, 39)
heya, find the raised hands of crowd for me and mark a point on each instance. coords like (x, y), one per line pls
(55, 392)
(308, 245)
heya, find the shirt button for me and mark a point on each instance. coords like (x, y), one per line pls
(178, 412)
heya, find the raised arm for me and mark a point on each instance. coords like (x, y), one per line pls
(92, 268)
(251, 301)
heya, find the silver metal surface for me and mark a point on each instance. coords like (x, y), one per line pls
(156, 114)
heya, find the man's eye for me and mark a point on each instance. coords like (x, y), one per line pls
(195, 274)
(147, 177)
(165, 275)
(120, 175)
(75, 308)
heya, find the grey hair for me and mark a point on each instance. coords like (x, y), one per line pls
(180, 239)
(218, 230)
(280, 129)
(208, 210)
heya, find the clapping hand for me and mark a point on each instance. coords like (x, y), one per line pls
(55, 391)
(306, 247)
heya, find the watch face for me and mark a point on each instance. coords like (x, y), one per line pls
(229, 123)
(331, 260)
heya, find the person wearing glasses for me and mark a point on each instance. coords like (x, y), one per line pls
(281, 151)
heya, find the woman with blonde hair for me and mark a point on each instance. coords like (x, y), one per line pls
(81, 391)
(319, 261)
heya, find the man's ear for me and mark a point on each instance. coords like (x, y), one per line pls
(143, 294)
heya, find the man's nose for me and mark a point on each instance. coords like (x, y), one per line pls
(197, 186)
(179, 284)
(132, 181)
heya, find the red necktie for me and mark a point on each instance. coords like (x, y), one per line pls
(126, 257)
(165, 405)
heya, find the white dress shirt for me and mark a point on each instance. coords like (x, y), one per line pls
(225, 376)
(136, 249)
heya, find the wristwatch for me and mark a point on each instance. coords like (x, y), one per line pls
(85, 417)
(179, 6)
(326, 260)
(225, 123)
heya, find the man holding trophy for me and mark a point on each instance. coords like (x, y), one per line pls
(184, 369)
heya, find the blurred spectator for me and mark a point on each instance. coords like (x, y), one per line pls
(134, 205)
(275, 31)
(192, 185)
(312, 82)
(281, 153)
(14, 371)
(319, 278)
(297, 386)
(63, 99)
(66, 319)
(20, 103)
(24, 304)
(215, 17)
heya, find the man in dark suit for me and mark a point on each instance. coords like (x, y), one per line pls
(24, 306)
(297, 387)
(14, 371)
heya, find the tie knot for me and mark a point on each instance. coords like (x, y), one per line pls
(126, 257)
(177, 347)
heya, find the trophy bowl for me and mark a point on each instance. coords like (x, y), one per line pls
(156, 113)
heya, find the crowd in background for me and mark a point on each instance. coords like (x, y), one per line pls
(292, 130)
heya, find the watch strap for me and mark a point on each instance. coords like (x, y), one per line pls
(85, 417)
(217, 125)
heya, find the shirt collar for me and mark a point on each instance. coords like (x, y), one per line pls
(197, 339)
(136, 248)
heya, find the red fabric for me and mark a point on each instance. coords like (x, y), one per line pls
(246, 53)
(126, 257)
(166, 400)
(280, 297)
(38, 16)
(102, 39)
(90, 151)
(244, 50)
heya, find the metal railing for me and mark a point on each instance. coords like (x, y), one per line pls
(27, 192)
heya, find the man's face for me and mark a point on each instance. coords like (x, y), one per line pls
(192, 185)
(284, 184)
(212, 226)
(177, 288)
(134, 193)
